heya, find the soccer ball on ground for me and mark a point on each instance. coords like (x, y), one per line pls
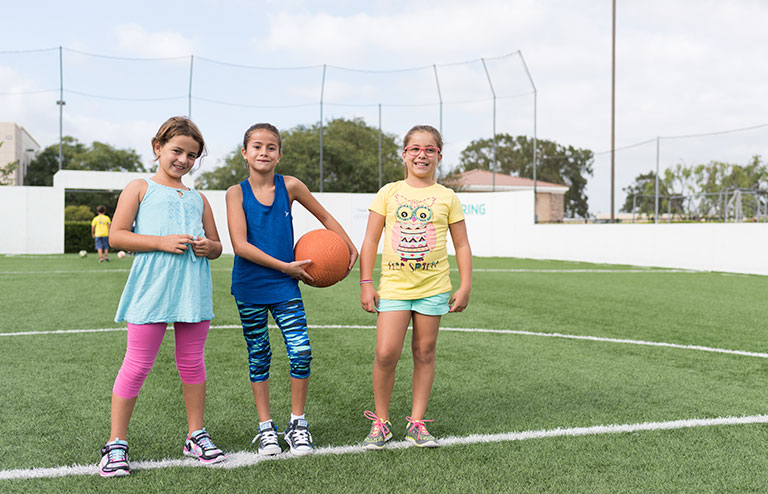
(121, 254)
(83, 253)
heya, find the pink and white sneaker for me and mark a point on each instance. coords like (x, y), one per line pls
(199, 445)
(114, 459)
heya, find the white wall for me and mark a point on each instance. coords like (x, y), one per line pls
(499, 224)
(94, 180)
(732, 247)
(31, 220)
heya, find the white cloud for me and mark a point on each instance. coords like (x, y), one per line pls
(136, 40)
(417, 33)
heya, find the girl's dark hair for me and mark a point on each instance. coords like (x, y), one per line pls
(179, 126)
(263, 126)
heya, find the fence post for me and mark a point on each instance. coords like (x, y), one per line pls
(61, 104)
(439, 96)
(322, 92)
(657, 182)
(634, 206)
(535, 113)
(493, 92)
(189, 94)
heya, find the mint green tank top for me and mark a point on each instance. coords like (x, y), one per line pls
(165, 287)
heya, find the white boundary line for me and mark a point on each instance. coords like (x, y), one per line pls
(612, 340)
(248, 458)
(475, 270)
(462, 330)
(611, 271)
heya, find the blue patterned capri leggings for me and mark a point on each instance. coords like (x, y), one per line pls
(292, 321)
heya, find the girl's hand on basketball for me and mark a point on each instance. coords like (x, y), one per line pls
(369, 299)
(352, 260)
(459, 300)
(201, 246)
(175, 244)
(294, 270)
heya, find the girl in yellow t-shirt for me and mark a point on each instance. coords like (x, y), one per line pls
(415, 215)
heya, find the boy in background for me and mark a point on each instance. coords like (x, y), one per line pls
(100, 233)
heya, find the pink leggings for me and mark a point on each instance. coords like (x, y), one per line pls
(143, 344)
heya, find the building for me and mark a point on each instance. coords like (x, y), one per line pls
(19, 147)
(550, 198)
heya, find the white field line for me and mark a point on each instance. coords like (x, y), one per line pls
(581, 270)
(67, 271)
(475, 270)
(240, 459)
(463, 330)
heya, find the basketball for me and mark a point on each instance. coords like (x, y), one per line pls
(329, 255)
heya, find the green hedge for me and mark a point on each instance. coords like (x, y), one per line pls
(77, 236)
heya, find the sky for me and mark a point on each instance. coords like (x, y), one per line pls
(683, 68)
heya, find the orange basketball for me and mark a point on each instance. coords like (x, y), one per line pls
(329, 255)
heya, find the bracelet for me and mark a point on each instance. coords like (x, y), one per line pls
(365, 281)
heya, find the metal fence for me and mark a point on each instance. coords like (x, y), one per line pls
(736, 205)
(121, 101)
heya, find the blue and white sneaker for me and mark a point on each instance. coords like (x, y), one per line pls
(298, 437)
(267, 439)
(199, 445)
(114, 459)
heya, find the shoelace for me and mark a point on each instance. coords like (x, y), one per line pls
(419, 425)
(300, 437)
(117, 455)
(266, 436)
(204, 440)
(378, 424)
(269, 436)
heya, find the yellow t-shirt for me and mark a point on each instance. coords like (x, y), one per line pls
(414, 261)
(100, 225)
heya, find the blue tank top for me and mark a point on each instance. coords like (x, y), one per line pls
(165, 287)
(270, 228)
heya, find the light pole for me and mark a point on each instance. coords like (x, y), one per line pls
(613, 103)
(61, 104)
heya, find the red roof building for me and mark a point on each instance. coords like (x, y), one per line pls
(550, 198)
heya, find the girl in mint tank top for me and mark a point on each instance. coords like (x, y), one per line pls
(174, 238)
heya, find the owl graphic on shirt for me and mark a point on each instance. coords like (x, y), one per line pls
(413, 235)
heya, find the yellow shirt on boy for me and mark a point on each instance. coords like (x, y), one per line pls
(100, 225)
(414, 261)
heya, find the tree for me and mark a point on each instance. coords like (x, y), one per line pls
(350, 159)
(641, 195)
(7, 171)
(555, 163)
(78, 213)
(697, 191)
(77, 156)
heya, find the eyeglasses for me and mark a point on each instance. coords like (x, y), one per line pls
(416, 150)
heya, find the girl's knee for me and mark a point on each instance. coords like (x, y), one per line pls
(299, 363)
(424, 354)
(192, 372)
(130, 378)
(258, 366)
(387, 357)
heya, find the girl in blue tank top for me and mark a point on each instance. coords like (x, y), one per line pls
(265, 279)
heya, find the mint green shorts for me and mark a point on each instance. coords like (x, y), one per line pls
(436, 305)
